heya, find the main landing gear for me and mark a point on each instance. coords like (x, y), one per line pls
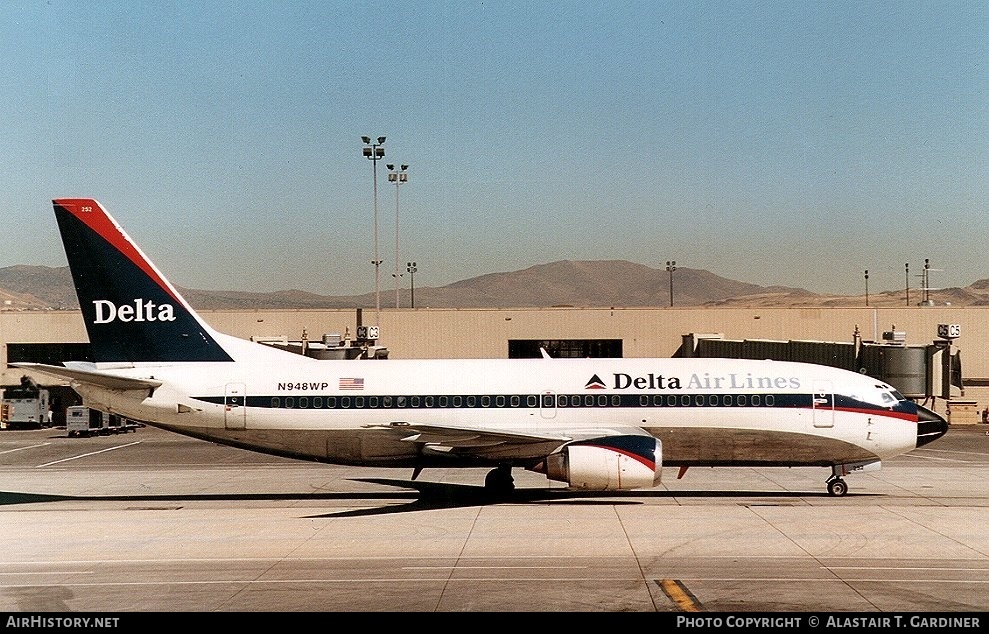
(499, 480)
(836, 486)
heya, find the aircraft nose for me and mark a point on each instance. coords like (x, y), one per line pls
(930, 426)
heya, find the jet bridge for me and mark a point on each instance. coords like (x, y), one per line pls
(919, 372)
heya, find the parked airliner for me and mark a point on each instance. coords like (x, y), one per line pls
(594, 424)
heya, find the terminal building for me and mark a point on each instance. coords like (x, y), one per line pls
(916, 349)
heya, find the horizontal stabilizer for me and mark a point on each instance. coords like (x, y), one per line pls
(100, 379)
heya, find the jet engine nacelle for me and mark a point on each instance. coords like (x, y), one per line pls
(613, 463)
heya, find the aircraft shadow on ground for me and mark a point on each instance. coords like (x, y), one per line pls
(418, 496)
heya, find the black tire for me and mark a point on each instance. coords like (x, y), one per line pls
(837, 487)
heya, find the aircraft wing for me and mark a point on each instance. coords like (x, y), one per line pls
(90, 377)
(495, 444)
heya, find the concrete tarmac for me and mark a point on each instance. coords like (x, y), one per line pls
(151, 521)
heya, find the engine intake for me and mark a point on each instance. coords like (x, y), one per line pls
(611, 463)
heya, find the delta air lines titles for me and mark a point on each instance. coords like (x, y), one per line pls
(730, 381)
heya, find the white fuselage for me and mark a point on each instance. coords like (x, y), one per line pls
(705, 411)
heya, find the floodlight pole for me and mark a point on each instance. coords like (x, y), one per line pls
(927, 278)
(670, 267)
(411, 268)
(374, 151)
(397, 176)
(907, 266)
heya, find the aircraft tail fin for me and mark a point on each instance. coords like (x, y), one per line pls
(132, 313)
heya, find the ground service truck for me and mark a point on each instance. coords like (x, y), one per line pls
(85, 421)
(24, 406)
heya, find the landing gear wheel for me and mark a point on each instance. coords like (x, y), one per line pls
(837, 487)
(499, 480)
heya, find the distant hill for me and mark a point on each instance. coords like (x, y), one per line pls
(596, 283)
(588, 284)
(36, 287)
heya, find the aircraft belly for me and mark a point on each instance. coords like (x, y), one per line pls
(749, 447)
(368, 447)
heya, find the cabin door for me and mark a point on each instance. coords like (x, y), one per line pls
(235, 406)
(823, 404)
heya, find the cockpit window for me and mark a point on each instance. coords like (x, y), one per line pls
(883, 387)
(888, 398)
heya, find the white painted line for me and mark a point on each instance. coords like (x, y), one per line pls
(92, 453)
(23, 448)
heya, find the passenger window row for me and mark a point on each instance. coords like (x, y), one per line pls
(527, 400)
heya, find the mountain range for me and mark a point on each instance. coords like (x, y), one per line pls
(594, 283)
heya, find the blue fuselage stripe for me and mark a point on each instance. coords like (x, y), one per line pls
(902, 409)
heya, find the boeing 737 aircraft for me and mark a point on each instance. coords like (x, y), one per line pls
(595, 424)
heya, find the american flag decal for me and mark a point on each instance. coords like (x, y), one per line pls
(349, 383)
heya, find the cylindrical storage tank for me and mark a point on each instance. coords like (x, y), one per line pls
(905, 368)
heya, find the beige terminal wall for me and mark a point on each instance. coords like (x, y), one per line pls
(484, 333)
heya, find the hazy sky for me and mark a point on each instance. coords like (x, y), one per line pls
(794, 143)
